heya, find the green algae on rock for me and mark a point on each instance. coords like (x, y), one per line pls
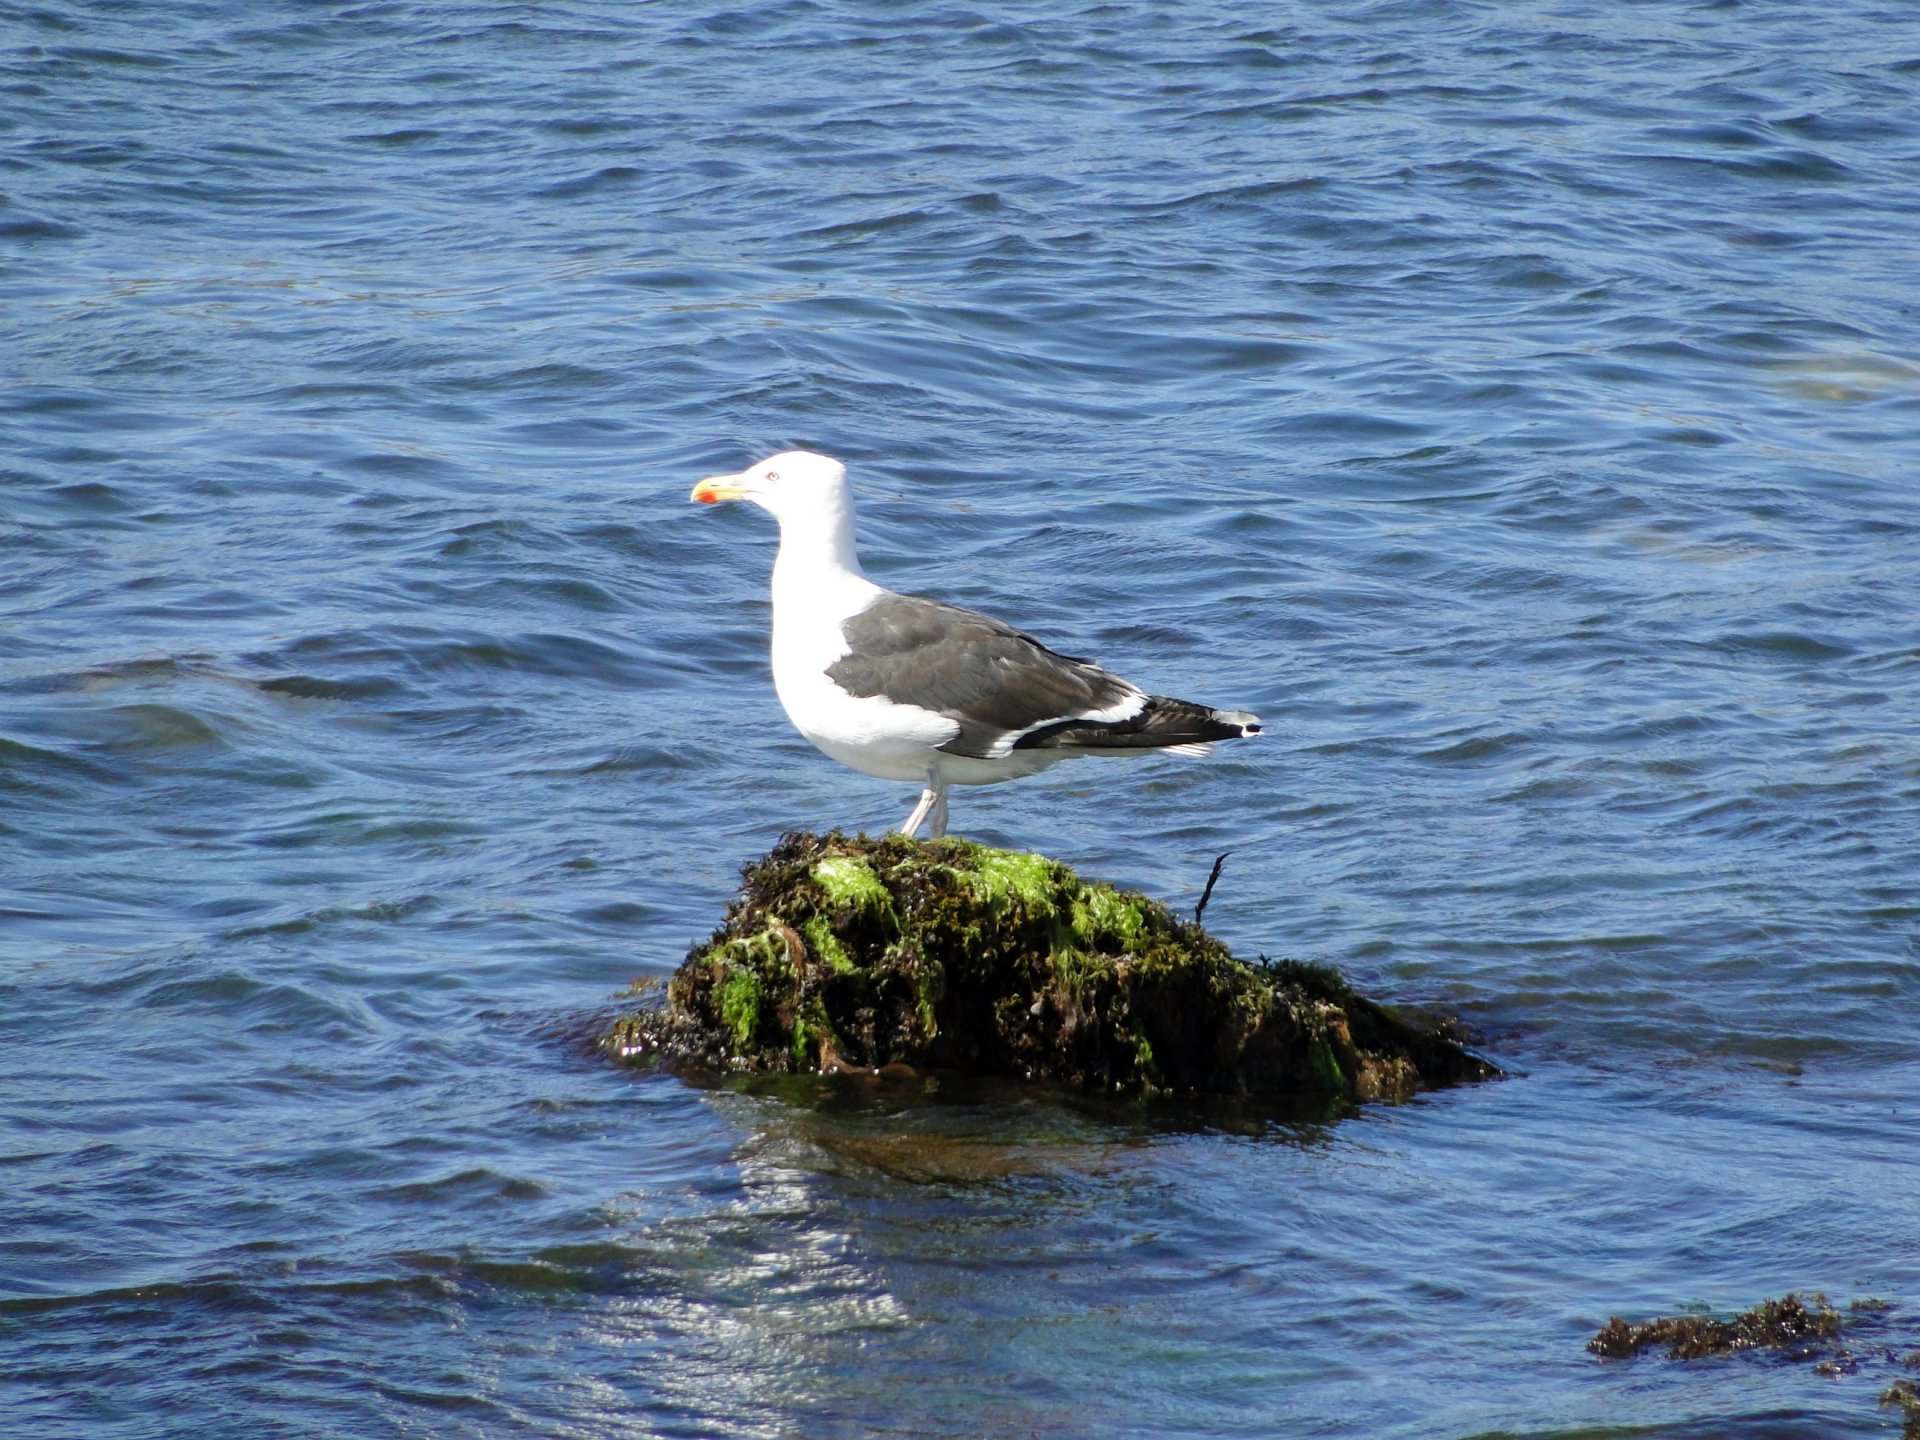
(849, 952)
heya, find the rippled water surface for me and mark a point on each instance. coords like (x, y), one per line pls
(1517, 405)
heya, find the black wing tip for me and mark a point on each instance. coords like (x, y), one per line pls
(1162, 723)
(1246, 721)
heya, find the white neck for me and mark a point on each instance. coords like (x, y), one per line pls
(817, 568)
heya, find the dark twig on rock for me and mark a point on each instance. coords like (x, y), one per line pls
(1212, 880)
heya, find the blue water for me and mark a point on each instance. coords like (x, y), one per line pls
(1517, 406)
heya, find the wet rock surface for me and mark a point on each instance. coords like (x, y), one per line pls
(854, 953)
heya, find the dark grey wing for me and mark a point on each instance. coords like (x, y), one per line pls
(995, 682)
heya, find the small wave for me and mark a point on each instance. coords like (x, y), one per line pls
(20, 761)
(434, 652)
(638, 759)
(1478, 749)
(394, 138)
(314, 687)
(477, 1183)
(25, 229)
(156, 728)
(95, 497)
(375, 912)
(1785, 644)
(222, 1293)
(245, 1002)
(401, 464)
(609, 178)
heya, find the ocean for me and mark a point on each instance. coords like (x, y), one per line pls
(1517, 406)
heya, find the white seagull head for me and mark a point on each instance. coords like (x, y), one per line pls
(790, 485)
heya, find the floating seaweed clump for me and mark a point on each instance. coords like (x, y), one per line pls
(1906, 1395)
(1791, 1327)
(1788, 1323)
(845, 953)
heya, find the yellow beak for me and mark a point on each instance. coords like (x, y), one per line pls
(715, 488)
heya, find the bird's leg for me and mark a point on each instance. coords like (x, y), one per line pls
(928, 797)
(932, 806)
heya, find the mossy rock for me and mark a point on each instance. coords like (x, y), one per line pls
(855, 953)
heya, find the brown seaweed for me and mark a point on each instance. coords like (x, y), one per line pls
(1795, 1328)
(1787, 1324)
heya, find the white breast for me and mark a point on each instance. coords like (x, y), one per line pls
(872, 734)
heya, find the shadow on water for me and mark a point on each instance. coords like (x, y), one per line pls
(949, 1128)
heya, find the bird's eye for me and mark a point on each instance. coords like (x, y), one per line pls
(773, 474)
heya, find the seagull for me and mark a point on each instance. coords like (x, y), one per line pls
(910, 689)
